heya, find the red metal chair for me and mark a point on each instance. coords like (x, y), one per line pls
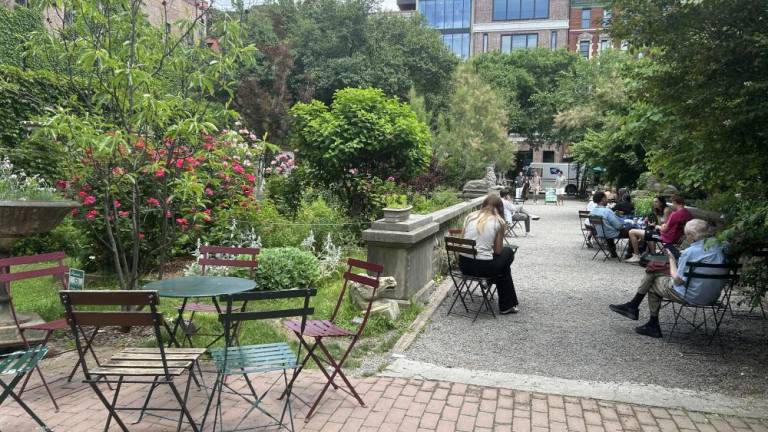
(231, 259)
(320, 329)
(58, 271)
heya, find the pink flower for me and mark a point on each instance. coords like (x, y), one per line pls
(268, 170)
(82, 194)
(238, 169)
(251, 178)
(391, 178)
(179, 163)
(153, 202)
(124, 213)
(89, 200)
(91, 214)
(160, 173)
(118, 171)
(62, 184)
(75, 212)
(209, 191)
(183, 223)
(167, 214)
(141, 236)
(116, 203)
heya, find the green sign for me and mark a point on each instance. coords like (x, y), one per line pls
(76, 279)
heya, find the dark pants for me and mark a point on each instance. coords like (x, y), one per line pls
(623, 233)
(499, 269)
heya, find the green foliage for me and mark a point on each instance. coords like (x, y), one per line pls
(396, 201)
(65, 237)
(287, 268)
(523, 79)
(285, 191)
(16, 25)
(472, 134)
(25, 96)
(360, 139)
(643, 206)
(437, 199)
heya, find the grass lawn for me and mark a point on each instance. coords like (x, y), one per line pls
(40, 296)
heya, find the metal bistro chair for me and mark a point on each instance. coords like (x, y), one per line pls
(20, 364)
(321, 329)
(235, 359)
(586, 232)
(131, 365)
(465, 285)
(59, 271)
(729, 274)
(231, 259)
(596, 226)
(510, 231)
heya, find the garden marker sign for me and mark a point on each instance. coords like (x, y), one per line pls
(76, 279)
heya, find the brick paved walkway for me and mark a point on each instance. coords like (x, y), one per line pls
(392, 405)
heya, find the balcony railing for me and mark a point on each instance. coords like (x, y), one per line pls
(588, 3)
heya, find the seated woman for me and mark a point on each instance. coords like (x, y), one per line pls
(487, 227)
(624, 204)
(659, 214)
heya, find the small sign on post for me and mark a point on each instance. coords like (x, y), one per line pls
(76, 279)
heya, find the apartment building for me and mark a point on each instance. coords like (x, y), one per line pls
(587, 22)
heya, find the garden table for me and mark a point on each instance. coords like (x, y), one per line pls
(198, 287)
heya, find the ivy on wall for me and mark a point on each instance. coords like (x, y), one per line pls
(24, 95)
(15, 26)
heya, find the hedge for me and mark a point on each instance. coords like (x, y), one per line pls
(15, 26)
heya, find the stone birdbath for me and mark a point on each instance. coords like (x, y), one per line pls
(18, 219)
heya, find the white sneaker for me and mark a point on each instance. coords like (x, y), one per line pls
(535, 217)
(528, 234)
(633, 259)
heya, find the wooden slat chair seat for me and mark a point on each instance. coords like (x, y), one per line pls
(154, 366)
(729, 274)
(209, 258)
(466, 285)
(20, 364)
(318, 330)
(241, 360)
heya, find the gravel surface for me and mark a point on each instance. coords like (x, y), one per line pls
(565, 329)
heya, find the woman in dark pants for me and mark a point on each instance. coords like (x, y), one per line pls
(487, 227)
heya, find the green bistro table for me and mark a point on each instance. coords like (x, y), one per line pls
(188, 287)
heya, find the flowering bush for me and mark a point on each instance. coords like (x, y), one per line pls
(283, 164)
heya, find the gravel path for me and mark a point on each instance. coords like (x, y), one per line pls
(565, 329)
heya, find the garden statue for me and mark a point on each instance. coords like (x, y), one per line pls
(478, 188)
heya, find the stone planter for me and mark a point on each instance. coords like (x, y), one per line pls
(19, 219)
(397, 215)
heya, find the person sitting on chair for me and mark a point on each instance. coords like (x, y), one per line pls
(671, 285)
(515, 212)
(613, 228)
(672, 231)
(659, 214)
(487, 227)
(624, 204)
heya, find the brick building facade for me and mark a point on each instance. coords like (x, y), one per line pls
(507, 25)
(586, 28)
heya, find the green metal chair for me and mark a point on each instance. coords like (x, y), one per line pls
(19, 364)
(242, 360)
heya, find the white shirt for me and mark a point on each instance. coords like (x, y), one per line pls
(485, 239)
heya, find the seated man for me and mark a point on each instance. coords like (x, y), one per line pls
(613, 227)
(516, 212)
(671, 286)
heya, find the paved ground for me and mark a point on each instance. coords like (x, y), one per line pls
(392, 405)
(566, 330)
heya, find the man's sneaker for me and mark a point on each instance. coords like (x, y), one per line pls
(535, 217)
(633, 259)
(652, 330)
(512, 310)
(626, 310)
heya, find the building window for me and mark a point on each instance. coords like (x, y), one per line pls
(519, 41)
(548, 156)
(605, 44)
(607, 15)
(584, 48)
(485, 42)
(553, 40)
(504, 10)
(446, 14)
(458, 43)
(586, 18)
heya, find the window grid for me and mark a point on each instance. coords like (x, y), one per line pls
(553, 40)
(507, 10)
(586, 18)
(514, 42)
(584, 48)
(446, 14)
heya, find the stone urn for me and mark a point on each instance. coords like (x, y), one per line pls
(397, 214)
(19, 219)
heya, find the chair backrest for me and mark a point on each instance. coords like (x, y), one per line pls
(369, 275)
(231, 257)
(55, 267)
(76, 317)
(597, 225)
(455, 246)
(728, 273)
(583, 217)
(231, 316)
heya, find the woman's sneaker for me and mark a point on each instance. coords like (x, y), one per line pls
(633, 259)
(512, 310)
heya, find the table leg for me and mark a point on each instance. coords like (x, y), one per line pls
(172, 336)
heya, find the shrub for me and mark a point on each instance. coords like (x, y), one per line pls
(438, 199)
(65, 237)
(287, 268)
(16, 26)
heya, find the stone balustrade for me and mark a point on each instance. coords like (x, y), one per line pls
(412, 251)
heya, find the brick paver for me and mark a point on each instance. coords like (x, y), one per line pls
(391, 405)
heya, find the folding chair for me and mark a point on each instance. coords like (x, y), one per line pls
(586, 232)
(596, 226)
(321, 329)
(59, 271)
(230, 258)
(729, 274)
(511, 226)
(131, 365)
(465, 285)
(235, 359)
(19, 364)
